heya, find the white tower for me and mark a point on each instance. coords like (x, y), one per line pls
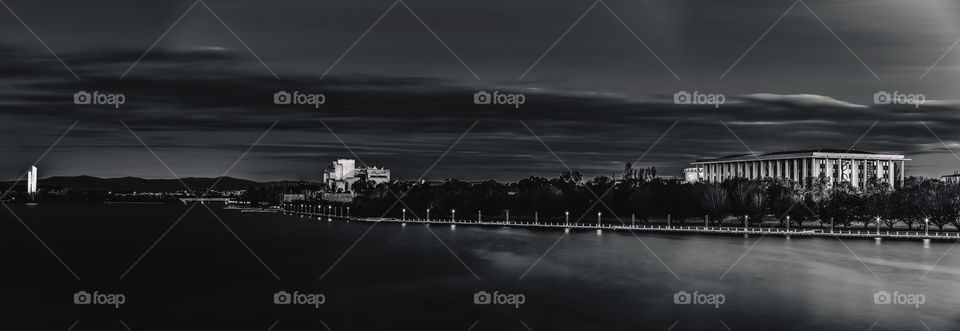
(32, 180)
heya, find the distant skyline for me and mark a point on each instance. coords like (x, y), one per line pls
(400, 97)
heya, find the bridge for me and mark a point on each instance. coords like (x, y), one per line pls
(204, 200)
(723, 230)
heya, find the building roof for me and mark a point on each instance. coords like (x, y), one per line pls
(822, 152)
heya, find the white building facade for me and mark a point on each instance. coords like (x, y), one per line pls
(32, 180)
(343, 173)
(836, 166)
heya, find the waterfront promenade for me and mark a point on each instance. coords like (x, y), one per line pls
(600, 228)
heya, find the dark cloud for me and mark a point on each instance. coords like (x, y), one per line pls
(599, 99)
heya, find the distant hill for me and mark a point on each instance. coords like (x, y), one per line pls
(135, 184)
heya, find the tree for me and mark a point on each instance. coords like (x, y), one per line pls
(713, 199)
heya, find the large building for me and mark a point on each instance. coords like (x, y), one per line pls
(953, 179)
(835, 165)
(343, 173)
(32, 180)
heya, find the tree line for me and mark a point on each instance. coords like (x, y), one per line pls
(639, 196)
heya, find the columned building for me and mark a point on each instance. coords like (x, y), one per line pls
(835, 165)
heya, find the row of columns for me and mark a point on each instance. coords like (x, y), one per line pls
(799, 169)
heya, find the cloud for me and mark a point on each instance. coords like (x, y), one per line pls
(215, 103)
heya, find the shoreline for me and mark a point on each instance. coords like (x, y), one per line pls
(680, 229)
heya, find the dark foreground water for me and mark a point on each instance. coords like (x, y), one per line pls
(199, 276)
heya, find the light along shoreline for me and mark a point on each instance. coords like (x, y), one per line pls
(719, 230)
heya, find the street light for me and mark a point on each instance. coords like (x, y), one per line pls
(926, 227)
(478, 216)
(453, 217)
(428, 214)
(404, 214)
(878, 226)
(566, 214)
(598, 218)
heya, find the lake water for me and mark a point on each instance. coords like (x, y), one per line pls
(199, 276)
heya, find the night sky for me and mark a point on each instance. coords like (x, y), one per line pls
(403, 94)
